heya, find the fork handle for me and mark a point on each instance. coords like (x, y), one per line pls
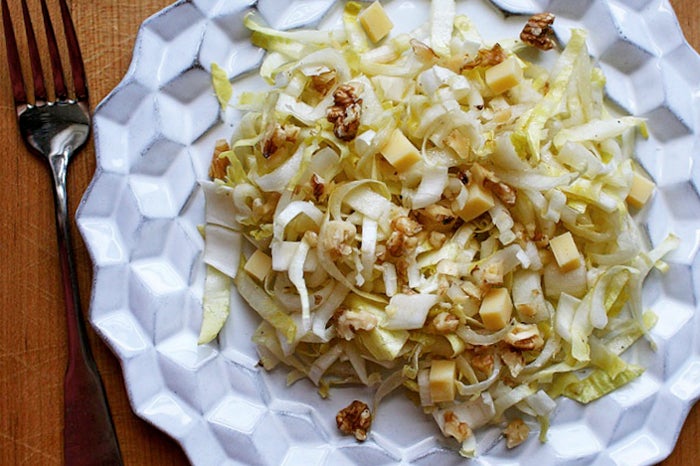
(89, 437)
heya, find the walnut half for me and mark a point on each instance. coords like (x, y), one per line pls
(538, 31)
(355, 419)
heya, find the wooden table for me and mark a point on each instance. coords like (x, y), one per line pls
(32, 331)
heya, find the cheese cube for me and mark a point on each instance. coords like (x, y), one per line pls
(496, 308)
(641, 190)
(565, 252)
(400, 152)
(375, 22)
(442, 380)
(479, 201)
(504, 76)
(258, 265)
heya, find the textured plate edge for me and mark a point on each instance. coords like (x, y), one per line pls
(128, 78)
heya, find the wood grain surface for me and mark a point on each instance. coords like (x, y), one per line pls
(32, 331)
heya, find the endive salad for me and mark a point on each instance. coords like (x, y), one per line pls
(431, 212)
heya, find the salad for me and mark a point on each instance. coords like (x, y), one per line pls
(432, 212)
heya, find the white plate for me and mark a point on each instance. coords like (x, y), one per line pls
(154, 137)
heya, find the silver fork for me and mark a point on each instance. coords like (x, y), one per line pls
(55, 130)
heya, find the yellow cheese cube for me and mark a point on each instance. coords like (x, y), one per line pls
(504, 76)
(565, 252)
(442, 380)
(496, 308)
(375, 22)
(258, 265)
(400, 152)
(479, 201)
(641, 190)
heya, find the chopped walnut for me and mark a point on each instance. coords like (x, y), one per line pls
(516, 433)
(456, 428)
(492, 273)
(323, 82)
(337, 237)
(436, 217)
(406, 225)
(538, 31)
(402, 273)
(399, 244)
(279, 137)
(355, 419)
(525, 337)
(437, 239)
(217, 169)
(486, 58)
(318, 186)
(345, 113)
(349, 321)
(483, 363)
(402, 239)
(444, 323)
(507, 194)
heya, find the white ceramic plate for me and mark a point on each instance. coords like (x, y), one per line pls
(154, 137)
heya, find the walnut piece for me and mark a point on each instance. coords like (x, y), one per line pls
(492, 273)
(456, 428)
(516, 433)
(337, 237)
(406, 225)
(436, 217)
(483, 363)
(217, 169)
(437, 239)
(486, 58)
(349, 321)
(538, 31)
(507, 194)
(444, 323)
(323, 82)
(399, 244)
(279, 136)
(355, 419)
(402, 239)
(525, 337)
(345, 113)
(318, 186)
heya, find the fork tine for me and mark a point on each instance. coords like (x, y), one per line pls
(14, 64)
(56, 65)
(40, 94)
(76, 58)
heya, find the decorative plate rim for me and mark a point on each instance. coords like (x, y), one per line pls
(198, 430)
